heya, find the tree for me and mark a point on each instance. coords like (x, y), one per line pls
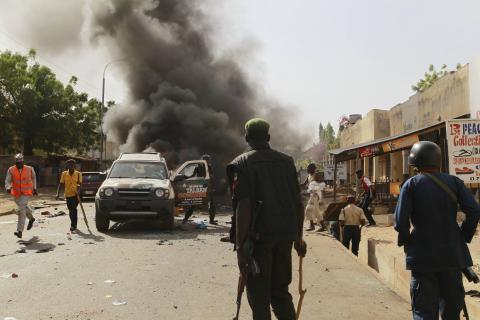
(431, 76)
(38, 112)
(328, 138)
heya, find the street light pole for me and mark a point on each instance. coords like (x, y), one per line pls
(103, 142)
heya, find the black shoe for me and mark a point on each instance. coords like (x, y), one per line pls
(30, 223)
(214, 222)
(18, 234)
(72, 229)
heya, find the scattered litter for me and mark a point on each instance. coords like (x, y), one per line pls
(164, 242)
(14, 275)
(89, 243)
(6, 275)
(201, 226)
(109, 281)
(60, 244)
(22, 250)
(45, 213)
(69, 236)
(119, 303)
(9, 318)
(108, 296)
(57, 214)
(175, 307)
(90, 283)
(326, 269)
(44, 250)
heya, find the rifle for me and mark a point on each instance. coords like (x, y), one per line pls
(471, 277)
(252, 266)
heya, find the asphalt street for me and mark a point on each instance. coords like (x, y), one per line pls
(136, 271)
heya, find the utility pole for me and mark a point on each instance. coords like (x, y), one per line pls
(103, 140)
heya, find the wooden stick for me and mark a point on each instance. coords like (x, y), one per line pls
(301, 291)
(83, 211)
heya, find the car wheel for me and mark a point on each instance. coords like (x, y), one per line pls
(101, 222)
(169, 223)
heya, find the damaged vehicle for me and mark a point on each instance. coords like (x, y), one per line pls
(139, 186)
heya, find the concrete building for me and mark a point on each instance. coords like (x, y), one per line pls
(379, 143)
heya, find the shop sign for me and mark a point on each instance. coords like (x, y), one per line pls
(341, 171)
(400, 143)
(463, 137)
(369, 151)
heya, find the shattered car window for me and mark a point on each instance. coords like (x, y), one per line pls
(137, 170)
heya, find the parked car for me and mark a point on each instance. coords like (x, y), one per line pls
(91, 182)
(138, 186)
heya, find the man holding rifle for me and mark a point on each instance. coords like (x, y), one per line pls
(436, 248)
(269, 220)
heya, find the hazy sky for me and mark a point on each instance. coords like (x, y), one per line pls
(327, 58)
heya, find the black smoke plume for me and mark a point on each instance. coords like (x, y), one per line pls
(184, 100)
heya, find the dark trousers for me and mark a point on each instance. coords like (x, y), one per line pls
(429, 290)
(366, 201)
(351, 234)
(270, 287)
(72, 203)
(211, 210)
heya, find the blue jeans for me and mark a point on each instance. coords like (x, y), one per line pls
(435, 293)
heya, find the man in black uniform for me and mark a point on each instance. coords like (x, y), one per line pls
(269, 219)
(436, 249)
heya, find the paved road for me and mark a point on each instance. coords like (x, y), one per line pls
(191, 275)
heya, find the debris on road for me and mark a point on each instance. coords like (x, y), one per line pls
(119, 303)
(45, 213)
(22, 250)
(9, 318)
(109, 281)
(8, 275)
(201, 226)
(57, 214)
(44, 250)
(90, 283)
(164, 242)
(108, 296)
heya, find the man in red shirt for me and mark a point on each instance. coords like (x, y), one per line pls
(367, 196)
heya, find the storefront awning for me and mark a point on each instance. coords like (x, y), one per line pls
(383, 145)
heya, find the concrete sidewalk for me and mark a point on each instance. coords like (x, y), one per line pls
(339, 287)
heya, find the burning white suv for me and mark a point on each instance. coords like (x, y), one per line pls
(138, 186)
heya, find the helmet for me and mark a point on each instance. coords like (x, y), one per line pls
(19, 157)
(425, 154)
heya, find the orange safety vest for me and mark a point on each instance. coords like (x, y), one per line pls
(22, 182)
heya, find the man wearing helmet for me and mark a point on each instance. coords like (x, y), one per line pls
(436, 248)
(21, 183)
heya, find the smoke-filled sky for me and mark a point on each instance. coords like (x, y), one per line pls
(328, 58)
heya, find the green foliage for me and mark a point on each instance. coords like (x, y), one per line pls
(328, 138)
(431, 76)
(38, 112)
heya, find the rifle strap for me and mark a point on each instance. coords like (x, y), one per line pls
(443, 186)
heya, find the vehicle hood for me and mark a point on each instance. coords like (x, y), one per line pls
(129, 183)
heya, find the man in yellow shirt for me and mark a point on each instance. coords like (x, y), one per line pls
(351, 219)
(72, 179)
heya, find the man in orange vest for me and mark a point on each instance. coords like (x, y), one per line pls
(21, 183)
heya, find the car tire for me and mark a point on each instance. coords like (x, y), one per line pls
(169, 223)
(101, 222)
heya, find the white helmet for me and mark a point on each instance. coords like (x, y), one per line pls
(19, 157)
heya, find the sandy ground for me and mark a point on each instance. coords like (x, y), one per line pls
(44, 195)
(189, 275)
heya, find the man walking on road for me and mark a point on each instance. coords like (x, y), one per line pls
(72, 179)
(436, 249)
(269, 219)
(367, 196)
(352, 218)
(21, 183)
